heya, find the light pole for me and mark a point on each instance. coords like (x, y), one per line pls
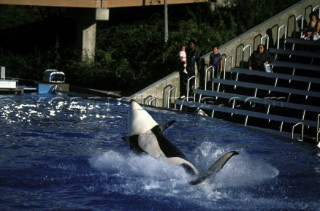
(166, 33)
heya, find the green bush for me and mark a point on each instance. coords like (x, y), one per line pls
(131, 54)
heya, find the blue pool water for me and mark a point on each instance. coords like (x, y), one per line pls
(67, 153)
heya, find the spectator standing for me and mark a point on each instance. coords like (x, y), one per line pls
(258, 58)
(183, 58)
(215, 60)
(183, 71)
(193, 60)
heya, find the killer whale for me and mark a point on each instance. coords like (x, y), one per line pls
(145, 135)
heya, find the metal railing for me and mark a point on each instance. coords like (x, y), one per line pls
(318, 122)
(300, 17)
(265, 37)
(188, 86)
(302, 130)
(206, 76)
(243, 51)
(283, 27)
(317, 8)
(225, 65)
(167, 95)
(148, 100)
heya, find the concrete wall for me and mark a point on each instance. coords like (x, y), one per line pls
(233, 48)
(159, 90)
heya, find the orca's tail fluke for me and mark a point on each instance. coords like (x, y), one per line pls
(214, 168)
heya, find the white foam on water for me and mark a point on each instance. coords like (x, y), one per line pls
(240, 170)
(142, 166)
(145, 175)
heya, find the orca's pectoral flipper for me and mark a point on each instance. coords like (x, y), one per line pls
(167, 125)
(214, 168)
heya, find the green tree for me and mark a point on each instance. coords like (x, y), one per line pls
(130, 52)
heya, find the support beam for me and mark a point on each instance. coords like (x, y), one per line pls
(96, 3)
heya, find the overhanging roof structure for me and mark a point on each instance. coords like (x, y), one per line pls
(96, 3)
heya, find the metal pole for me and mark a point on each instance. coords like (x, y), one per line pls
(166, 34)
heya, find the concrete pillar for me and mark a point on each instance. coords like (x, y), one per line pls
(86, 20)
(85, 31)
(89, 41)
(3, 73)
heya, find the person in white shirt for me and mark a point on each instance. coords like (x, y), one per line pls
(183, 71)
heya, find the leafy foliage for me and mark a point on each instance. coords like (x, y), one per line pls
(130, 53)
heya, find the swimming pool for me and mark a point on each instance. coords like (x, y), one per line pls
(67, 153)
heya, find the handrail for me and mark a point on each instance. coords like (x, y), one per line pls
(243, 49)
(169, 96)
(278, 36)
(206, 76)
(302, 130)
(224, 70)
(318, 134)
(153, 99)
(318, 130)
(317, 7)
(295, 23)
(265, 37)
(150, 101)
(295, 19)
(165, 94)
(188, 86)
(224, 65)
(318, 123)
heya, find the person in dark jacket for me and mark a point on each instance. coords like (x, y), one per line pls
(193, 60)
(258, 58)
(215, 60)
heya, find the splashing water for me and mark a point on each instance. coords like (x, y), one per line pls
(67, 153)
